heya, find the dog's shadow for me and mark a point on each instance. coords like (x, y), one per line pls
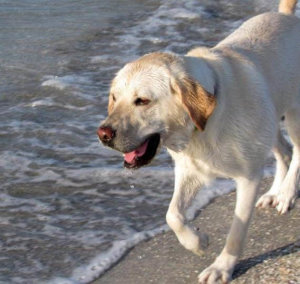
(246, 264)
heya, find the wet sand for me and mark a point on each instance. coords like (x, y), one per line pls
(271, 254)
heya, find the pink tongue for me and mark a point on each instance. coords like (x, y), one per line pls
(140, 151)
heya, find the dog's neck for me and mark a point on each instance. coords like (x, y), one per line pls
(200, 70)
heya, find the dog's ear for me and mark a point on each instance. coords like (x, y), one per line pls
(198, 102)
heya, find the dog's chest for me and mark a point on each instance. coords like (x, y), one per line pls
(200, 165)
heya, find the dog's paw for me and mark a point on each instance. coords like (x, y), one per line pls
(285, 202)
(214, 274)
(219, 271)
(267, 200)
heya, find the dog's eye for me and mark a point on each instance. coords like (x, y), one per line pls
(141, 102)
(113, 97)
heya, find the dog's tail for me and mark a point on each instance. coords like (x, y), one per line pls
(287, 6)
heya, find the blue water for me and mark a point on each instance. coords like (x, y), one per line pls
(68, 209)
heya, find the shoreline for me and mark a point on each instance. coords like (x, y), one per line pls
(271, 253)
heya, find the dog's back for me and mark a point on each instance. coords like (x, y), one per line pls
(271, 41)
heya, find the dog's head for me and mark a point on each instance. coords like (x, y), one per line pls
(153, 101)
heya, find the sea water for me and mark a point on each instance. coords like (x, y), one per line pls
(68, 208)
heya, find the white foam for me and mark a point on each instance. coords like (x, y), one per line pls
(167, 18)
(55, 83)
(64, 82)
(25, 204)
(100, 59)
(48, 102)
(101, 263)
(44, 102)
(180, 13)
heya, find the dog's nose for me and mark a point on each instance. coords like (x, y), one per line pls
(106, 133)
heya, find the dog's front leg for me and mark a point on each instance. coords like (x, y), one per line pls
(223, 266)
(186, 186)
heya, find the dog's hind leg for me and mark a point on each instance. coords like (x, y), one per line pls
(283, 154)
(186, 187)
(289, 189)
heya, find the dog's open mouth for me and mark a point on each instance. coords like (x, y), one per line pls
(143, 154)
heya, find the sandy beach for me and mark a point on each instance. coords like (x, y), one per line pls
(271, 254)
